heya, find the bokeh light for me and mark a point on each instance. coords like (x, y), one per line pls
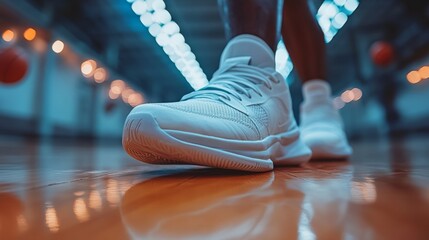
(100, 75)
(8, 35)
(29, 34)
(413, 77)
(135, 99)
(347, 96)
(113, 94)
(88, 67)
(424, 72)
(126, 94)
(58, 46)
(117, 86)
(357, 94)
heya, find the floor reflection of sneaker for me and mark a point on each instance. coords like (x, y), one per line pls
(242, 120)
(321, 124)
(206, 204)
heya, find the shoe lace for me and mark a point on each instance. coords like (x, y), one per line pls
(236, 79)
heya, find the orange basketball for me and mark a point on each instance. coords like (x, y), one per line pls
(13, 66)
(382, 53)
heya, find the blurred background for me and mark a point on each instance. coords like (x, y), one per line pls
(76, 68)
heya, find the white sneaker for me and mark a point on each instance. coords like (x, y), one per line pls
(242, 120)
(321, 124)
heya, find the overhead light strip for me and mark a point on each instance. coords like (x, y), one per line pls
(157, 19)
(332, 15)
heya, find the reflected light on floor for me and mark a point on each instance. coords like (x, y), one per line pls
(79, 193)
(22, 223)
(363, 191)
(112, 192)
(304, 226)
(52, 219)
(95, 200)
(80, 210)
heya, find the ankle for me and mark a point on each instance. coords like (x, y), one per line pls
(316, 90)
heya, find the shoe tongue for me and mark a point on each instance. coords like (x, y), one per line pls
(248, 48)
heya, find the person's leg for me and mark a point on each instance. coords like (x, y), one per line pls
(321, 124)
(304, 40)
(256, 17)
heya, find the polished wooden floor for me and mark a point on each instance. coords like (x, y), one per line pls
(69, 190)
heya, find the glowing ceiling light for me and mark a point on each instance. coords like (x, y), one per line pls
(139, 7)
(146, 19)
(171, 28)
(351, 5)
(331, 16)
(336, 12)
(155, 29)
(340, 2)
(162, 16)
(157, 19)
(339, 20)
(328, 9)
(162, 39)
(158, 5)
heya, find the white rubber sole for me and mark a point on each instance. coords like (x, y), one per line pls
(145, 141)
(324, 151)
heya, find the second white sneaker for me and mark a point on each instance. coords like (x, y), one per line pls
(242, 120)
(321, 124)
